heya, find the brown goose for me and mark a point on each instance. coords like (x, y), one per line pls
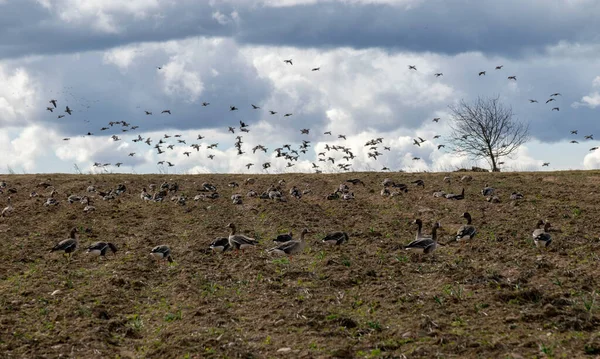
(162, 252)
(467, 231)
(68, 246)
(425, 245)
(541, 237)
(100, 248)
(335, 238)
(8, 209)
(292, 247)
(239, 241)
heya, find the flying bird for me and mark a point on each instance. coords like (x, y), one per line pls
(255, 107)
(232, 108)
(499, 67)
(546, 164)
(573, 132)
(550, 100)
(555, 109)
(166, 111)
(272, 112)
(50, 109)
(438, 74)
(205, 104)
(287, 115)
(316, 69)
(481, 73)
(68, 110)
(148, 112)
(532, 101)
(412, 67)
(512, 78)
(437, 119)
(288, 61)
(589, 137)
(555, 94)
(53, 102)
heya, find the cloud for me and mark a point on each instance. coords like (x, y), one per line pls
(591, 100)
(69, 26)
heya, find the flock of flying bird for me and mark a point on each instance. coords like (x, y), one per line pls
(339, 157)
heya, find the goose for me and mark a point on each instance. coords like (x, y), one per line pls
(291, 247)
(68, 246)
(282, 238)
(419, 224)
(419, 182)
(9, 208)
(100, 248)
(467, 231)
(541, 237)
(482, 73)
(239, 241)
(487, 191)
(466, 179)
(162, 252)
(335, 238)
(516, 195)
(425, 245)
(456, 197)
(412, 67)
(220, 244)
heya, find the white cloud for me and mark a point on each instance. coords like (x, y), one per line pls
(100, 14)
(591, 100)
(180, 82)
(18, 96)
(122, 57)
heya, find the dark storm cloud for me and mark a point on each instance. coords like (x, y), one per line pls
(509, 28)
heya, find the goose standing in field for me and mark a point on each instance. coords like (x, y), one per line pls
(467, 231)
(220, 244)
(419, 224)
(425, 245)
(335, 238)
(292, 247)
(239, 241)
(162, 252)
(541, 237)
(69, 245)
(8, 209)
(487, 191)
(100, 248)
(145, 195)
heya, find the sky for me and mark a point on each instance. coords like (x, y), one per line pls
(112, 60)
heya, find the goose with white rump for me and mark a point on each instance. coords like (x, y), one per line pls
(239, 241)
(69, 245)
(467, 231)
(8, 209)
(424, 244)
(100, 248)
(162, 252)
(220, 244)
(292, 247)
(541, 237)
(335, 238)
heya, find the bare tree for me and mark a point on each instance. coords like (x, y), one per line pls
(486, 129)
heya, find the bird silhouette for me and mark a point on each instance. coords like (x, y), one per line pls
(499, 67)
(555, 109)
(512, 78)
(412, 67)
(288, 61)
(255, 107)
(532, 101)
(481, 73)
(53, 102)
(315, 69)
(438, 74)
(166, 111)
(68, 110)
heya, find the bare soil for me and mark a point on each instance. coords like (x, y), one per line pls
(495, 297)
